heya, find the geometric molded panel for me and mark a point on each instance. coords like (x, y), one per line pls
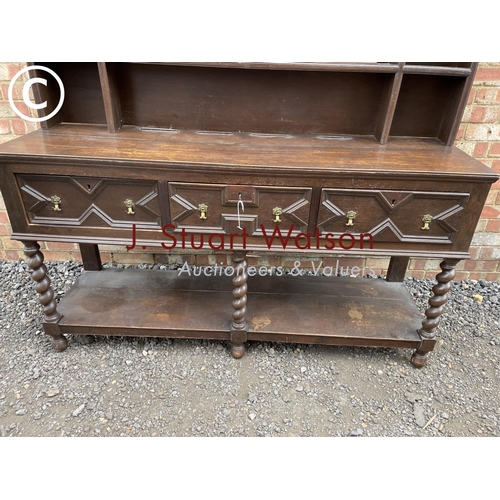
(393, 216)
(255, 205)
(90, 201)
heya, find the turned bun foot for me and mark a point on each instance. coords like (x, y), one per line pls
(60, 344)
(237, 351)
(419, 360)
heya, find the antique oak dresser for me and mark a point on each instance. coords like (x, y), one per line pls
(331, 158)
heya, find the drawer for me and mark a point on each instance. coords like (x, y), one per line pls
(213, 208)
(89, 201)
(393, 216)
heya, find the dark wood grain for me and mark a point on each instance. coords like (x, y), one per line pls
(397, 269)
(343, 311)
(90, 144)
(83, 102)
(388, 107)
(91, 257)
(110, 96)
(304, 142)
(265, 101)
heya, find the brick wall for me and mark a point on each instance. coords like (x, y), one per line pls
(478, 136)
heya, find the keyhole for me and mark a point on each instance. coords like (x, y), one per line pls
(88, 187)
(393, 202)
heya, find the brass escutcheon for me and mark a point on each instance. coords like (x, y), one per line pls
(426, 219)
(203, 210)
(351, 215)
(130, 205)
(277, 212)
(56, 201)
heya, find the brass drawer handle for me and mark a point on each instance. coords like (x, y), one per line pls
(351, 215)
(426, 219)
(56, 201)
(130, 205)
(203, 210)
(277, 212)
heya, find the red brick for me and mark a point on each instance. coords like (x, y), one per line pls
(57, 256)
(480, 149)
(349, 262)
(18, 127)
(489, 265)
(498, 199)
(474, 252)
(4, 127)
(475, 276)
(487, 75)
(492, 277)
(480, 265)
(495, 149)
(417, 274)
(486, 96)
(31, 126)
(461, 275)
(460, 133)
(274, 260)
(489, 212)
(477, 115)
(163, 258)
(306, 263)
(491, 198)
(492, 114)
(13, 69)
(6, 110)
(493, 226)
(13, 254)
(4, 218)
(417, 264)
(486, 253)
(202, 260)
(131, 258)
(472, 265)
(472, 94)
(17, 91)
(58, 245)
(495, 165)
(22, 108)
(12, 244)
(106, 257)
(3, 230)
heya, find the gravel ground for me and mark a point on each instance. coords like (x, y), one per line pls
(159, 387)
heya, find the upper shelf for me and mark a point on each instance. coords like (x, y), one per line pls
(382, 100)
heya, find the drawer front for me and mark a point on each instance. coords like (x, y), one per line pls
(90, 201)
(393, 216)
(214, 208)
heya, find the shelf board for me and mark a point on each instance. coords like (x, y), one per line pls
(309, 154)
(437, 70)
(303, 309)
(365, 67)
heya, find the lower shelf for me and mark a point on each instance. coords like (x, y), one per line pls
(301, 309)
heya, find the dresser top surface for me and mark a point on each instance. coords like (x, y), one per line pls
(259, 152)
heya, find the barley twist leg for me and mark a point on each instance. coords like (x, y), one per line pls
(239, 325)
(46, 295)
(433, 313)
